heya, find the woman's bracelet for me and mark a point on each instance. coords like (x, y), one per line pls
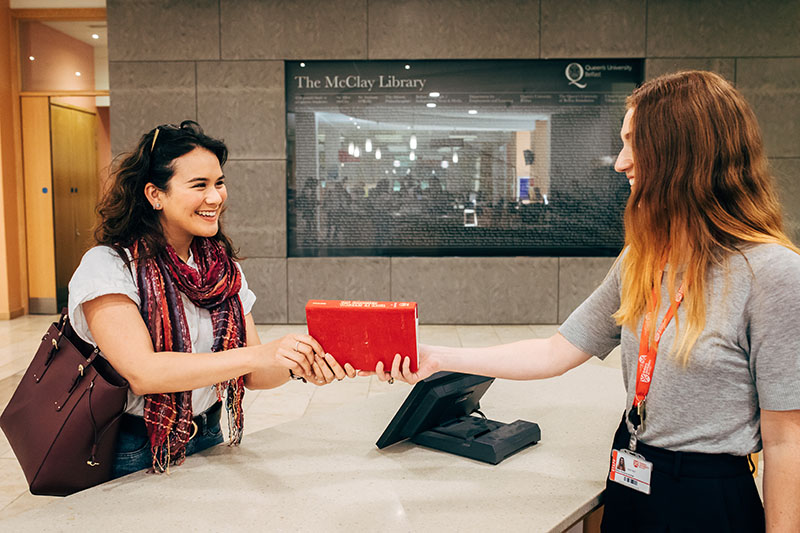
(295, 376)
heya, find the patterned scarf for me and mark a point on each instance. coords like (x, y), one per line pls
(214, 286)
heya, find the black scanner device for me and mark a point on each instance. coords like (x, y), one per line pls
(439, 414)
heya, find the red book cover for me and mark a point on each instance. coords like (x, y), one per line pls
(363, 333)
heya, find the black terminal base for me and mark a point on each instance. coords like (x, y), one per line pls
(479, 438)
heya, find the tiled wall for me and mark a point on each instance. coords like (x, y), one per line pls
(221, 62)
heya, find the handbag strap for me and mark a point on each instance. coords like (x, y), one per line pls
(61, 326)
(80, 371)
(98, 435)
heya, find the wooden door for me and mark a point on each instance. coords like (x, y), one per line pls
(75, 188)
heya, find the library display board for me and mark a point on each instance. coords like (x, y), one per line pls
(442, 158)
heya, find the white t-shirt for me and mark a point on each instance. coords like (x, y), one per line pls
(102, 271)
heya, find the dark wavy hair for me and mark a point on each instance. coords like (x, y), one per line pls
(125, 215)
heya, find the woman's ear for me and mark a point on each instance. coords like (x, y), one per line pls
(153, 195)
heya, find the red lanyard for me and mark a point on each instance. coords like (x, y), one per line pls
(647, 351)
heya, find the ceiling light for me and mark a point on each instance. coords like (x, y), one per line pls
(445, 164)
(396, 163)
(368, 146)
(95, 36)
(473, 111)
(357, 152)
(78, 74)
(408, 67)
(412, 156)
(434, 94)
(351, 148)
(412, 142)
(31, 58)
(302, 65)
(430, 104)
(378, 153)
(455, 157)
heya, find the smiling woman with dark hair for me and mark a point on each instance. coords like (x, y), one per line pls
(167, 304)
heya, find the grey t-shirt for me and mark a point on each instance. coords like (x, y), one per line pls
(747, 358)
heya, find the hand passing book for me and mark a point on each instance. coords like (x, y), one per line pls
(363, 333)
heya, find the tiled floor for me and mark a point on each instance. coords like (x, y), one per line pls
(20, 337)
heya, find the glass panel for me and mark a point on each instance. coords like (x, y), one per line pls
(456, 157)
(64, 56)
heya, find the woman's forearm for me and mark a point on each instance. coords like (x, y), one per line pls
(522, 360)
(164, 372)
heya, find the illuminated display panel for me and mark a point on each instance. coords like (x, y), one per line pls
(442, 158)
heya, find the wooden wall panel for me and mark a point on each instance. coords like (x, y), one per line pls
(38, 198)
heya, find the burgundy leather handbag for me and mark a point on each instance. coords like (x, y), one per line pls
(63, 420)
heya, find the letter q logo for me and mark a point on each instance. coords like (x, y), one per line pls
(574, 73)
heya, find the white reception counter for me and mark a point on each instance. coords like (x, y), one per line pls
(324, 473)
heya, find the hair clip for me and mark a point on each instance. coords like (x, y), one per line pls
(155, 136)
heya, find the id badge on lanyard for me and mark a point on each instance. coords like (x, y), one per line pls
(628, 467)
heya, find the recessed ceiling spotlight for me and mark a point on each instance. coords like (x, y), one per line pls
(95, 36)
(473, 111)
(302, 65)
(430, 104)
(434, 94)
(408, 67)
(31, 58)
(78, 74)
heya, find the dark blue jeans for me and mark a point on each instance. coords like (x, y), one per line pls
(133, 453)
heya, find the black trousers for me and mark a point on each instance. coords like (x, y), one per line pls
(689, 492)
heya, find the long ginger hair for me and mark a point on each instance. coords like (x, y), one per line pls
(702, 190)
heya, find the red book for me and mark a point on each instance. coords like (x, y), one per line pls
(363, 333)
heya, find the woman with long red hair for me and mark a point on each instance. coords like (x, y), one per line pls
(704, 301)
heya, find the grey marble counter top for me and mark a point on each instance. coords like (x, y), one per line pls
(324, 473)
